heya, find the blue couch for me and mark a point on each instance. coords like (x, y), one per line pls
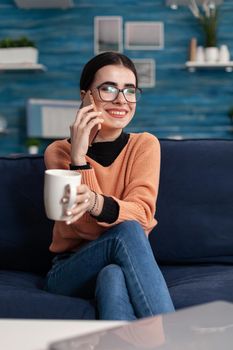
(193, 242)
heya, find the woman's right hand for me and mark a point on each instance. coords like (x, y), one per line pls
(85, 120)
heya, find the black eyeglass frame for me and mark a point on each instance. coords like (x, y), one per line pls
(119, 90)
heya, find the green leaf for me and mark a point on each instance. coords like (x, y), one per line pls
(20, 42)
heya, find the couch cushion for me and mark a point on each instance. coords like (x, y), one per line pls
(197, 284)
(195, 202)
(25, 232)
(21, 296)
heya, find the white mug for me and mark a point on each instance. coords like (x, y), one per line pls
(57, 183)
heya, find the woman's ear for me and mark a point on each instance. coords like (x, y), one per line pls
(82, 94)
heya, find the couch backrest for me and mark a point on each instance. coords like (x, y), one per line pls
(25, 233)
(195, 203)
(194, 208)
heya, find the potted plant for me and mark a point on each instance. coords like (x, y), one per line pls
(18, 51)
(208, 19)
(32, 145)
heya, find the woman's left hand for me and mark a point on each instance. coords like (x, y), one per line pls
(82, 205)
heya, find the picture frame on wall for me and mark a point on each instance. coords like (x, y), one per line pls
(144, 35)
(108, 34)
(146, 72)
(50, 119)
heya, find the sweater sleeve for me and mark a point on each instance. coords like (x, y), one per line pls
(57, 157)
(109, 212)
(138, 201)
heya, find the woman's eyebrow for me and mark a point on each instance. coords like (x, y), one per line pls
(109, 83)
(115, 84)
(129, 85)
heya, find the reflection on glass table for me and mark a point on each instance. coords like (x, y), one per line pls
(205, 327)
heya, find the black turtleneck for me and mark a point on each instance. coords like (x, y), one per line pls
(105, 153)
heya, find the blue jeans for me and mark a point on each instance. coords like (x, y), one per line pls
(119, 270)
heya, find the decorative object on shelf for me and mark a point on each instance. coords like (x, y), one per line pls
(211, 54)
(193, 49)
(33, 145)
(207, 16)
(206, 11)
(174, 4)
(224, 54)
(18, 51)
(200, 54)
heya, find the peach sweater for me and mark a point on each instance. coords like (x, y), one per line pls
(132, 180)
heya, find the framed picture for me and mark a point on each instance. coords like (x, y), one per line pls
(144, 35)
(146, 72)
(108, 34)
(50, 118)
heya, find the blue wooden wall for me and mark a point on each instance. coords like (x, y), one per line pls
(182, 104)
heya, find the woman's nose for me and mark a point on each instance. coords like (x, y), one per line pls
(120, 98)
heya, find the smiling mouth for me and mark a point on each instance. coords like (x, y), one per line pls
(117, 114)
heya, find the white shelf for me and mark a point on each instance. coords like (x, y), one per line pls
(192, 66)
(44, 4)
(19, 67)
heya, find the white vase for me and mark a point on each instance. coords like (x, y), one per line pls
(200, 54)
(211, 54)
(33, 149)
(224, 54)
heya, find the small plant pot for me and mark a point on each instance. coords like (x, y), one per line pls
(33, 149)
(211, 54)
(19, 55)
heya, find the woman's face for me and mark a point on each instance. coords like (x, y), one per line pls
(118, 113)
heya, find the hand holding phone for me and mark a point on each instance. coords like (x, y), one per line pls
(88, 100)
(82, 136)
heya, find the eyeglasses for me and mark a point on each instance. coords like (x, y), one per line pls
(109, 93)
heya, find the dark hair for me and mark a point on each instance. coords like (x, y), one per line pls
(102, 60)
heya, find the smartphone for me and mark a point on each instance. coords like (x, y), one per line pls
(88, 100)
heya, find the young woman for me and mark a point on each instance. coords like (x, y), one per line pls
(103, 249)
